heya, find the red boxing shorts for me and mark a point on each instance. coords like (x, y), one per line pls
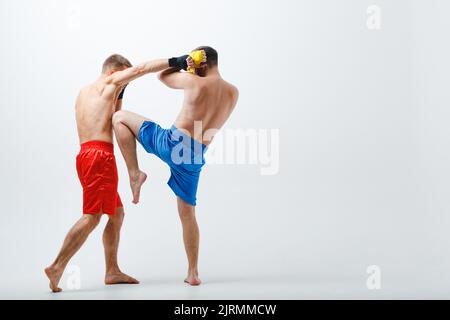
(97, 171)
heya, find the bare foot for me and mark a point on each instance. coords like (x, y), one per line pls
(136, 182)
(193, 280)
(54, 275)
(119, 278)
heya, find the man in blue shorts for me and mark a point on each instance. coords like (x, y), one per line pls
(208, 102)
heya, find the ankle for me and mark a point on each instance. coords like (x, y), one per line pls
(193, 272)
(134, 174)
(57, 265)
(113, 270)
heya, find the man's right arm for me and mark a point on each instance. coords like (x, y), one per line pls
(123, 77)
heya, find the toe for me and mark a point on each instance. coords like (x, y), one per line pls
(132, 280)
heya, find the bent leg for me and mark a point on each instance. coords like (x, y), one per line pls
(111, 238)
(126, 128)
(72, 243)
(191, 237)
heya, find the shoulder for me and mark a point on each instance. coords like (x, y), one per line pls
(86, 89)
(103, 88)
(83, 91)
(234, 91)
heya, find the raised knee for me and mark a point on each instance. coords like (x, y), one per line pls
(118, 117)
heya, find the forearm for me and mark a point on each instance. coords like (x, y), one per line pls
(155, 65)
(167, 72)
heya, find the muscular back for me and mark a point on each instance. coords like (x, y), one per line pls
(95, 107)
(211, 101)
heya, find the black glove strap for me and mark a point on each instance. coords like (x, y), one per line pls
(179, 62)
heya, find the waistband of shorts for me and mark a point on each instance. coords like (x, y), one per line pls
(98, 145)
(196, 146)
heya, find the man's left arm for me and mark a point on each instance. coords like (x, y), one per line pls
(175, 79)
(119, 99)
(118, 105)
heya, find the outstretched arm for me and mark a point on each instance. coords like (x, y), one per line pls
(123, 77)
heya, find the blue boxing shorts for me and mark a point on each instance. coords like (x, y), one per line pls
(183, 155)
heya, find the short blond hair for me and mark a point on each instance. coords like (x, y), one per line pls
(115, 62)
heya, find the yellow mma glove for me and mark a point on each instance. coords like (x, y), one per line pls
(199, 57)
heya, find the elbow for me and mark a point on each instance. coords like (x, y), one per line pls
(160, 76)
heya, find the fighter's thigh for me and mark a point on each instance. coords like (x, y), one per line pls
(130, 119)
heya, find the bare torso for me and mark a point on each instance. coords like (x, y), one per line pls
(95, 107)
(211, 101)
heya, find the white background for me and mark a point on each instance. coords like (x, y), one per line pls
(364, 148)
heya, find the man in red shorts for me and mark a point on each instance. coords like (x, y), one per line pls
(96, 165)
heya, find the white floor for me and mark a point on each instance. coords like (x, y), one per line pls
(228, 287)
